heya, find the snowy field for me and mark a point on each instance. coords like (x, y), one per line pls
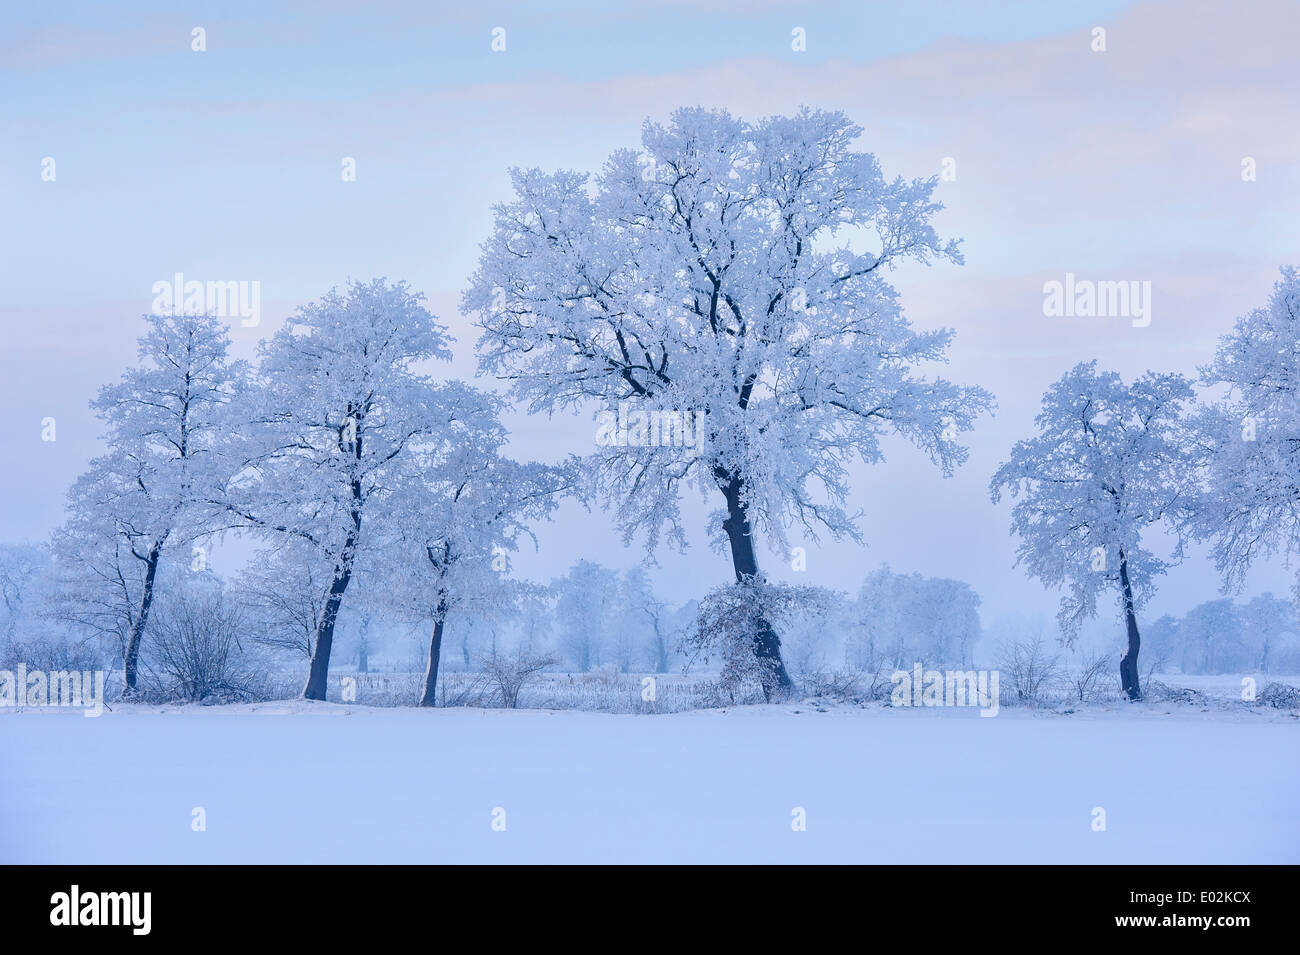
(328, 783)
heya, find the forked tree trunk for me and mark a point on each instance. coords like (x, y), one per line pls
(131, 655)
(435, 654)
(1128, 664)
(767, 645)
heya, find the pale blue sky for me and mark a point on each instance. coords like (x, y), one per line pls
(225, 165)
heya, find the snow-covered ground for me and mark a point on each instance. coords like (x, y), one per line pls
(327, 783)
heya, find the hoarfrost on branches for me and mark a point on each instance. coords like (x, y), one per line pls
(714, 273)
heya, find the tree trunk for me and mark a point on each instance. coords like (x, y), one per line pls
(131, 656)
(435, 654)
(767, 645)
(1128, 664)
(318, 674)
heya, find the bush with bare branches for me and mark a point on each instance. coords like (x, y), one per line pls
(509, 673)
(1089, 678)
(195, 652)
(1029, 669)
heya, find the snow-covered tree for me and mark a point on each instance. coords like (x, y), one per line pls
(956, 620)
(1270, 630)
(645, 623)
(332, 425)
(710, 283)
(1108, 463)
(533, 622)
(359, 623)
(1222, 636)
(878, 633)
(283, 594)
(463, 509)
(1251, 440)
(586, 611)
(24, 572)
(1213, 638)
(1163, 641)
(899, 619)
(166, 425)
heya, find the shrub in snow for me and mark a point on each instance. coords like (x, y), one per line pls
(1165, 693)
(1029, 671)
(855, 685)
(1280, 695)
(195, 653)
(834, 684)
(51, 655)
(1089, 678)
(735, 625)
(462, 689)
(509, 672)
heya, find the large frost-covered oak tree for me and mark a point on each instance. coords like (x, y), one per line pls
(714, 274)
(1109, 462)
(148, 495)
(1250, 489)
(333, 422)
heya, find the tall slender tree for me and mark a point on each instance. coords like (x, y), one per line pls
(462, 511)
(1108, 463)
(167, 423)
